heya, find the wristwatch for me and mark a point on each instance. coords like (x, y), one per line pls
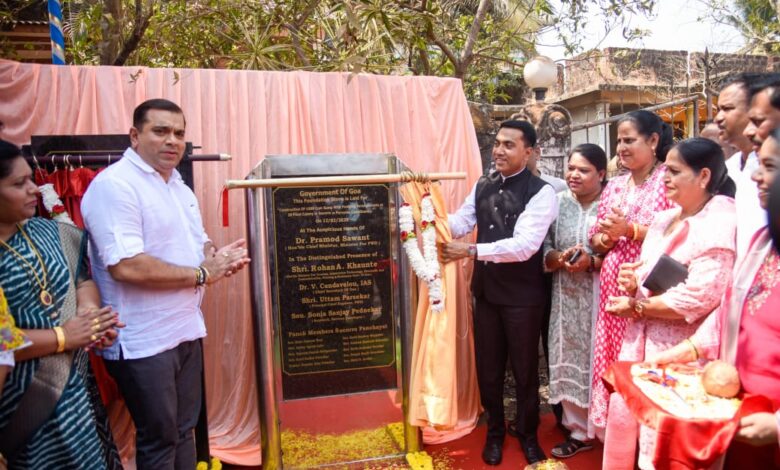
(473, 251)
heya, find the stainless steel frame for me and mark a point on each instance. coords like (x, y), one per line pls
(269, 365)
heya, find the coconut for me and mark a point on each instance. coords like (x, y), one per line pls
(721, 379)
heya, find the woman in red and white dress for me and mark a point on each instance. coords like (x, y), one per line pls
(627, 207)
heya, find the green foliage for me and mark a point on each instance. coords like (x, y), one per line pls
(482, 42)
(757, 20)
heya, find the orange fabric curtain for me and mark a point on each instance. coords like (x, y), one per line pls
(444, 397)
(425, 121)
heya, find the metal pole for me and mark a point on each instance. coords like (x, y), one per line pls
(578, 127)
(404, 177)
(55, 32)
(103, 159)
(262, 319)
(707, 91)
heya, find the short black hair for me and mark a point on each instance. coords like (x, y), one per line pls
(769, 82)
(744, 80)
(8, 154)
(139, 115)
(529, 133)
(594, 154)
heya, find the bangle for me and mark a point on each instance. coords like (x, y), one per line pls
(635, 235)
(693, 347)
(60, 338)
(201, 276)
(592, 263)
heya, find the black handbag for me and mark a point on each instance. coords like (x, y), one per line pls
(666, 273)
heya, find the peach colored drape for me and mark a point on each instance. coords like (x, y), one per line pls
(249, 114)
(443, 398)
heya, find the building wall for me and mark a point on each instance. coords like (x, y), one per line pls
(672, 73)
(598, 135)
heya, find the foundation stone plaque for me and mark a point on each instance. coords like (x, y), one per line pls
(333, 281)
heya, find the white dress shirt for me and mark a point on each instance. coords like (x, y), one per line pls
(129, 209)
(750, 216)
(529, 232)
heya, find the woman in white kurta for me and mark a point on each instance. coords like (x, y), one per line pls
(575, 293)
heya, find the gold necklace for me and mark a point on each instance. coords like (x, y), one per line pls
(45, 296)
(647, 176)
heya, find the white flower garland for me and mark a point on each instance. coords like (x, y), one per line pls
(53, 204)
(426, 263)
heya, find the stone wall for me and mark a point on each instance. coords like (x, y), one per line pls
(673, 71)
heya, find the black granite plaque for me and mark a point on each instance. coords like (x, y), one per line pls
(333, 287)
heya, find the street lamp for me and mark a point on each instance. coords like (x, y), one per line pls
(540, 73)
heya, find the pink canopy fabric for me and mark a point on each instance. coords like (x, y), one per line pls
(425, 121)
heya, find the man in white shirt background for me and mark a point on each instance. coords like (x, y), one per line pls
(732, 119)
(558, 184)
(764, 112)
(151, 260)
(512, 210)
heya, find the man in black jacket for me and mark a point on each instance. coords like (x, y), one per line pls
(512, 210)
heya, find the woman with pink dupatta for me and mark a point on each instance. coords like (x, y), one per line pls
(746, 333)
(697, 180)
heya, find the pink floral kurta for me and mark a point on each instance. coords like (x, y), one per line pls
(640, 205)
(705, 242)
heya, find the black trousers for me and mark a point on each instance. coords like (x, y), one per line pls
(501, 331)
(163, 395)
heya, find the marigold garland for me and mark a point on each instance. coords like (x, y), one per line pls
(426, 263)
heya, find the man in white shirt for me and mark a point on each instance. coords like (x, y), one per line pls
(732, 119)
(151, 260)
(512, 210)
(764, 112)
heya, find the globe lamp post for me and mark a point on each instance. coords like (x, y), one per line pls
(540, 73)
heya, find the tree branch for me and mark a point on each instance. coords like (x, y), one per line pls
(444, 48)
(141, 23)
(471, 39)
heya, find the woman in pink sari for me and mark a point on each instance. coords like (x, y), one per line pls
(697, 180)
(628, 204)
(746, 333)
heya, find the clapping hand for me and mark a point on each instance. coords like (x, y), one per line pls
(626, 278)
(614, 224)
(91, 327)
(226, 261)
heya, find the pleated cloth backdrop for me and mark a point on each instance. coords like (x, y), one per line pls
(425, 121)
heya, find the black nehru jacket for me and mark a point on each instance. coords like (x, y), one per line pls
(498, 204)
